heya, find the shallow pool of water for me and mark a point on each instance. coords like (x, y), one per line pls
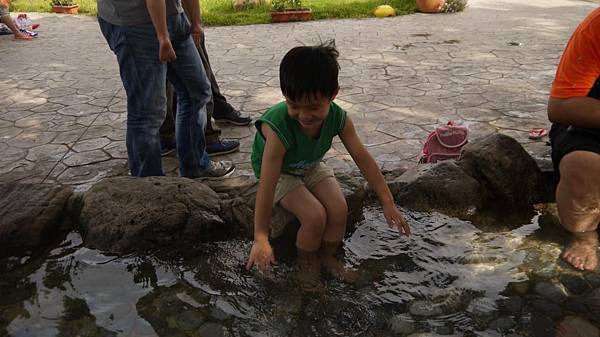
(448, 278)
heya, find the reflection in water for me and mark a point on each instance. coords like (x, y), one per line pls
(448, 277)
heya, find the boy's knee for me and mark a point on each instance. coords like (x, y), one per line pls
(339, 212)
(316, 219)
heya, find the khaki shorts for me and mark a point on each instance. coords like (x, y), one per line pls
(288, 183)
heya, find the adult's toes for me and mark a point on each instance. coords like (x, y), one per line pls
(575, 261)
(590, 264)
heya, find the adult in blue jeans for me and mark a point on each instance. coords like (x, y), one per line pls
(152, 40)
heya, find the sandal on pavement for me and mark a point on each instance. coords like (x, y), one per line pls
(24, 37)
(537, 133)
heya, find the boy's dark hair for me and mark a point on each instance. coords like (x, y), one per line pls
(310, 71)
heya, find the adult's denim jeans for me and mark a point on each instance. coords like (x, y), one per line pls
(144, 78)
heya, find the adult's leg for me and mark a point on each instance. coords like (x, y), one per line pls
(188, 77)
(167, 129)
(144, 78)
(222, 110)
(212, 131)
(578, 202)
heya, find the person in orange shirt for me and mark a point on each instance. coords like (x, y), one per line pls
(574, 110)
(6, 19)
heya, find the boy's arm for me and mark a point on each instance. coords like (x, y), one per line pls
(371, 172)
(578, 111)
(192, 10)
(261, 253)
(158, 15)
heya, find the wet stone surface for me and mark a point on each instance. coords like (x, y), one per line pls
(423, 286)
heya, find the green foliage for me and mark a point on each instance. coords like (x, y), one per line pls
(453, 6)
(281, 5)
(62, 2)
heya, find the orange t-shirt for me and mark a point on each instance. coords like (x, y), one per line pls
(579, 65)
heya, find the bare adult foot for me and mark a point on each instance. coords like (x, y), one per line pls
(581, 252)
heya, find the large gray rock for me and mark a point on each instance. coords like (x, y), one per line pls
(122, 214)
(511, 177)
(443, 187)
(30, 213)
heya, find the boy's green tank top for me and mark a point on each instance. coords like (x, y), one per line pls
(302, 152)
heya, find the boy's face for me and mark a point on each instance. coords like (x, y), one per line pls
(310, 112)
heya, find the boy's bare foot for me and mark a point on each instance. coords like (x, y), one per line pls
(581, 252)
(336, 269)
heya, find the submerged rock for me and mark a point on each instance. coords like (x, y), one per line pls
(551, 291)
(548, 308)
(575, 283)
(593, 302)
(511, 305)
(124, 214)
(454, 301)
(425, 308)
(483, 310)
(30, 213)
(213, 330)
(503, 324)
(402, 324)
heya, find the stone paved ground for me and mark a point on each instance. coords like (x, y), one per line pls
(62, 107)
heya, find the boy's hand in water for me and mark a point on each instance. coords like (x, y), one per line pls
(395, 219)
(261, 256)
(166, 53)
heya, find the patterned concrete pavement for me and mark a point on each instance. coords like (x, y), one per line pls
(62, 106)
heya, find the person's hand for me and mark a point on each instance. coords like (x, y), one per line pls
(261, 256)
(166, 53)
(196, 32)
(395, 219)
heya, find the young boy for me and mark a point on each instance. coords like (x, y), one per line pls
(292, 138)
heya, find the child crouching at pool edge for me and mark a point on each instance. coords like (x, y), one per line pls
(287, 157)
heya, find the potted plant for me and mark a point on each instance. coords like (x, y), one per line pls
(441, 6)
(64, 6)
(430, 6)
(289, 10)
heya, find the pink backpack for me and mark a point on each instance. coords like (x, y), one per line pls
(445, 142)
